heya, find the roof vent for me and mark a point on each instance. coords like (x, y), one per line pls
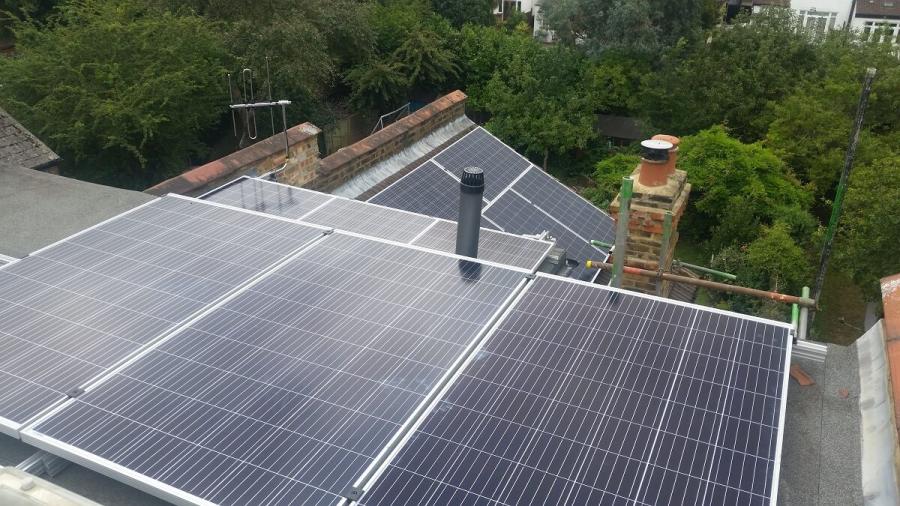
(471, 189)
(655, 150)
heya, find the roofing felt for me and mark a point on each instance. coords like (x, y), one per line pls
(37, 209)
(20, 148)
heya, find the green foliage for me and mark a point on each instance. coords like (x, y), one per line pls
(482, 51)
(460, 12)
(123, 92)
(378, 85)
(635, 26)
(773, 261)
(811, 127)
(735, 186)
(731, 79)
(425, 61)
(538, 105)
(869, 234)
(394, 20)
(608, 178)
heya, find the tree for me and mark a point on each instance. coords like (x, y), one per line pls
(460, 12)
(736, 188)
(122, 92)
(539, 105)
(869, 232)
(811, 127)
(732, 79)
(378, 85)
(635, 26)
(425, 60)
(608, 178)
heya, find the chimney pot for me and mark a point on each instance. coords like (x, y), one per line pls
(673, 153)
(654, 162)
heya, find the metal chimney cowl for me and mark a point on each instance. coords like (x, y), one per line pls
(655, 162)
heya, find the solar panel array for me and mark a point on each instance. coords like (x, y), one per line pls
(72, 311)
(585, 395)
(287, 392)
(479, 148)
(517, 215)
(213, 354)
(378, 221)
(427, 190)
(268, 197)
(432, 189)
(493, 246)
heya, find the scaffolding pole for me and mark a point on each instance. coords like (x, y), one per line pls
(622, 231)
(842, 184)
(803, 302)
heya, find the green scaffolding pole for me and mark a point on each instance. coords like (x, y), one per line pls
(622, 231)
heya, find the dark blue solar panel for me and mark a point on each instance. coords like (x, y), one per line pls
(492, 246)
(70, 312)
(370, 219)
(589, 396)
(516, 215)
(501, 165)
(269, 197)
(285, 394)
(426, 190)
(566, 206)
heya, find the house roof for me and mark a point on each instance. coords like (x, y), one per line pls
(620, 127)
(20, 148)
(877, 9)
(37, 209)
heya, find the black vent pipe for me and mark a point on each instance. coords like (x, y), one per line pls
(471, 190)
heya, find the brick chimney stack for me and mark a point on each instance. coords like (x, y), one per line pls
(659, 187)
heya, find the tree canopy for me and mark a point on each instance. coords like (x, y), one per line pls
(98, 92)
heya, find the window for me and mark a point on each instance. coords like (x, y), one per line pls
(818, 21)
(878, 31)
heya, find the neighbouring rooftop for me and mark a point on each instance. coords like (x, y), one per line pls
(21, 148)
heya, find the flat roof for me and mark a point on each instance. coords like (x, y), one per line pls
(37, 209)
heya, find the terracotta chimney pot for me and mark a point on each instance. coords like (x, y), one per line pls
(673, 153)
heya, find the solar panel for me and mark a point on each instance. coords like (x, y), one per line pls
(426, 190)
(585, 395)
(268, 197)
(287, 392)
(70, 312)
(518, 216)
(370, 219)
(492, 246)
(501, 165)
(566, 206)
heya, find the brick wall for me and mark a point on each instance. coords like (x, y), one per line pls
(257, 159)
(649, 205)
(347, 162)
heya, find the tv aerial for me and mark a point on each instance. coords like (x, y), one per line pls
(247, 107)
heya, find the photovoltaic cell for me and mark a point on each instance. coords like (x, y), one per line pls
(589, 396)
(501, 165)
(493, 246)
(70, 312)
(269, 197)
(369, 219)
(426, 190)
(517, 216)
(285, 393)
(566, 206)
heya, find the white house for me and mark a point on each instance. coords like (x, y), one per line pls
(878, 18)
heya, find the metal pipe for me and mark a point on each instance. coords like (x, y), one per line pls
(468, 227)
(795, 317)
(622, 231)
(664, 249)
(258, 105)
(601, 244)
(762, 294)
(803, 328)
(706, 270)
